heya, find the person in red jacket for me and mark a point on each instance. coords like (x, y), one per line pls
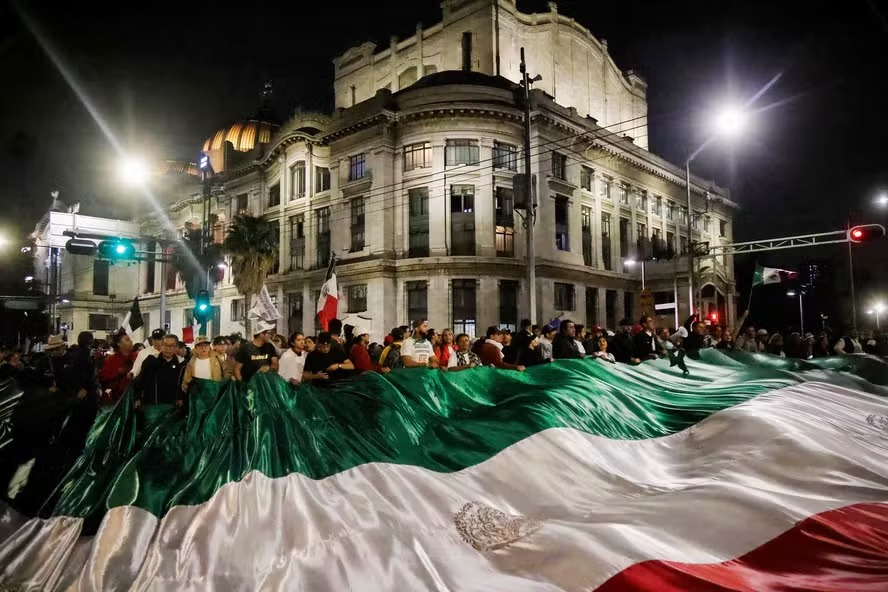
(116, 372)
(359, 354)
(491, 351)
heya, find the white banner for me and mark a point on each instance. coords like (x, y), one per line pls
(263, 309)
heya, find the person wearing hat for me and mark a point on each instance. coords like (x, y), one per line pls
(204, 364)
(257, 355)
(153, 351)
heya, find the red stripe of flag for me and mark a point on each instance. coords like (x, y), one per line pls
(844, 550)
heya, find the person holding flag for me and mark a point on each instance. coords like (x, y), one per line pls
(328, 301)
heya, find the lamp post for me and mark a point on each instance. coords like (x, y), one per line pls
(630, 263)
(729, 122)
(877, 311)
(799, 293)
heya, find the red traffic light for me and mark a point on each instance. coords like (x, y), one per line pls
(866, 232)
(713, 316)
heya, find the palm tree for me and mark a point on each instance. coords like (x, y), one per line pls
(252, 247)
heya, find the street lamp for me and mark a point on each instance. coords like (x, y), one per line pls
(728, 122)
(630, 262)
(880, 201)
(133, 170)
(799, 293)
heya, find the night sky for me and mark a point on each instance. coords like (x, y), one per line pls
(166, 75)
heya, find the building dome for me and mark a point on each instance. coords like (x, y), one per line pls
(244, 135)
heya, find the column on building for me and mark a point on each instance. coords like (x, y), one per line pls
(487, 303)
(485, 210)
(598, 251)
(439, 204)
(601, 308)
(379, 201)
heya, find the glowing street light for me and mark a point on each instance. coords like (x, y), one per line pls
(730, 121)
(133, 171)
(877, 310)
(882, 200)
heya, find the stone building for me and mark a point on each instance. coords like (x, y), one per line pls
(410, 183)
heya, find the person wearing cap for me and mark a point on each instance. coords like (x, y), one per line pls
(204, 364)
(153, 351)
(327, 362)
(417, 351)
(255, 356)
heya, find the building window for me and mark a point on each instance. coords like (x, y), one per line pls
(505, 156)
(605, 185)
(417, 301)
(171, 274)
(641, 201)
(357, 166)
(357, 224)
(357, 298)
(508, 305)
(151, 271)
(102, 322)
(505, 223)
(462, 219)
(606, 241)
(562, 221)
(628, 302)
(564, 297)
(610, 308)
(274, 195)
(670, 210)
(586, 221)
(683, 214)
(240, 205)
(419, 222)
(322, 179)
(297, 242)
(418, 156)
(586, 175)
(657, 208)
(723, 228)
(705, 223)
(237, 311)
(297, 180)
(101, 271)
(559, 166)
(670, 244)
(296, 311)
(467, 51)
(591, 307)
(624, 238)
(459, 152)
(684, 245)
(464, 307)
(323, 220)
(624, 194)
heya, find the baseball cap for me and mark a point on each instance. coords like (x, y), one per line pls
(158, 334)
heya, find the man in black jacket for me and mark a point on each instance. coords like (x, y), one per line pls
(622, 345)
(564, 346)
(160, 382)
(645, 341)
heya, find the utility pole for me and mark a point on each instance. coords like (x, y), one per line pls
(530, 218)
(690, 239)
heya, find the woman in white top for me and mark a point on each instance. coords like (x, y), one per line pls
(602, 353)
(292, 363)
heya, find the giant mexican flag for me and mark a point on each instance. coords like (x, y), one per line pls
(751, 473)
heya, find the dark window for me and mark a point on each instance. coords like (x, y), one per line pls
(418, 156)
(559, 166)
(657, 207)
(605, 188)
(606, 241)
(417, 301)
(670, 210)
(419, 222)
(624, 238)
(670, 241)
(297, 180)
(628, 302)
(357, 224)
(462, 219)
(151, 271)
(564, 296)
(274, 195)
(684, 245)
(508, 304)
(505, 156)
(586, 219)
(624, 194)
(723, 228)
(323, 219)
(241, 205)
(467, 51)
(296, 311)
(610, 308)
(458, 152)
(237, 311)
(464, 307)
(322, 179)
(171, 270)
(357, 298)
(505, 223)
(101, 271)
(586, 175)
(102, 322)
(297, 242)
(591, 306)
(357, 166)
(641, 200)
(562, 223)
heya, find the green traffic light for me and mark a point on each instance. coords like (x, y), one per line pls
(121, 249)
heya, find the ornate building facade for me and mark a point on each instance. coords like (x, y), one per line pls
(410, 183)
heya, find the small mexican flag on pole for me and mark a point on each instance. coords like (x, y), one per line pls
(771, 275)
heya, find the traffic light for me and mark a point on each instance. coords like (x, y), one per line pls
(117, 250)
(202, 308)
(81, 246)
(713, 316)
(865, 233)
